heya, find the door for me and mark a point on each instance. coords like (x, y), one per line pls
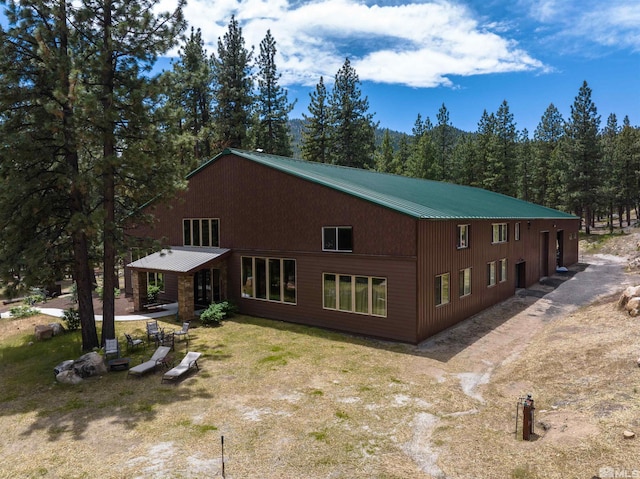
(521, 275)
(560, 248)
(544, 253)
(202, 287)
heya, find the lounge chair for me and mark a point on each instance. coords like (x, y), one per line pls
(183, 332)
(150, 365)
(111, 347)
(189, 362)
(133, 343)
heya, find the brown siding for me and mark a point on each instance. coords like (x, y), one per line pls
(437, 254)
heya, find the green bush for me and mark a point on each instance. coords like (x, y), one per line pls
(152, 294)
(72, 318)
(216, 312)
(23, 311)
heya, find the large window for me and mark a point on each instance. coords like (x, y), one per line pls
(503, 270)
(270, 279)
(491, 273)
(337, 238)
(463, 236)
(442, 289)
(155, 279)
(201, 232)
(465, 282)
(358, 294)
(499, 234)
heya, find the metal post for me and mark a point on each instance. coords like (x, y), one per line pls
(222, 443)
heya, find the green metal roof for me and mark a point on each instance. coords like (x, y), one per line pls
(414, 197)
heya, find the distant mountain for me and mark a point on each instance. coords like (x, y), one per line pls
(297, 125)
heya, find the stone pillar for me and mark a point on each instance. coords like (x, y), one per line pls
(139, 285)
(185, 297)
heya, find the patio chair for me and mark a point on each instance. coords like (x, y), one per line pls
(158, 358)
(111, 347)
(183, 332)
(133, 343)
(189, 362)
(152, 330)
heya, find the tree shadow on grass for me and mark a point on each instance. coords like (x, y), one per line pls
(67, 411)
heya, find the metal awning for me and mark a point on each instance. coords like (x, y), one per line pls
(179, 259)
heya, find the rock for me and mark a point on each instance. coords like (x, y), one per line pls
(627, 294)
(628, 435)
(638, 362)
(43, 331)
(63, 366)
(68, 377)
(633, 306)
(57, 328)
(90, 364)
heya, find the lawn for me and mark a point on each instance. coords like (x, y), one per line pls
(298, 402)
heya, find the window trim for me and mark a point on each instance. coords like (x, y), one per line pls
(499, 233)
(462, 283)
(463, 236)
(491, 274)
(284, 282)
(336, 230)
(213, 232)
(448, 290)
(353, 294)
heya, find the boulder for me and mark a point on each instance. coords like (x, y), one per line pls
(63, 366)
(57, 328)
(628, 434)
(68, 377)
(627, 294)
(633, 306)
(43, 331)
(90, 364)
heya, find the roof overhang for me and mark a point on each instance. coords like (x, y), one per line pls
(180, 259)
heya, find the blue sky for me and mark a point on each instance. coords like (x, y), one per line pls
(413, 56)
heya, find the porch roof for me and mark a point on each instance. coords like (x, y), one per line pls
(179, 259)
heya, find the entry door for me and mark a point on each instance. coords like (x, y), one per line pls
(206, 284)
(544, 253)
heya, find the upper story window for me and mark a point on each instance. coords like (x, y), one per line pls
(201, 232)
(516, 232)
(499, 234)
(337, 238)
(463, 236)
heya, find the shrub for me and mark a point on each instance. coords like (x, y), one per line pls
(216, 312)
(152, 294)
(36, 295)
(72, 318)
(23, 311)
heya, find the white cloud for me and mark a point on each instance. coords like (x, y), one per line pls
(414, 44)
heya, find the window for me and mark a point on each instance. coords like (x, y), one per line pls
(499, 233)
(337, 238)
(465, 282)
(271, 279)
(503, 270)
(358, 294)
(201, 232)
(442, 289)
(491, 273)
(155, 279)
(463, 236)
(516, 232)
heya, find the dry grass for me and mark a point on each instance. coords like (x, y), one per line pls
(297, 402)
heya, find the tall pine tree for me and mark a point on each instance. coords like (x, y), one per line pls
(233, 89)
(352, 132)
(315, 135)
(546, 169)
(272, 105)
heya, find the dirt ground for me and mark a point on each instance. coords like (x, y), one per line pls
(341, 407)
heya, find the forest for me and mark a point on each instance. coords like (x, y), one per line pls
(90, 134)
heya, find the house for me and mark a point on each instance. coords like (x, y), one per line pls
(352, 250)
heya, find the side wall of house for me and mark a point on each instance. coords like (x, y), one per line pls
(267, 213)
(528, 258)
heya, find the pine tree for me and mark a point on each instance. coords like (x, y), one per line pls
(315, 135)
(46, 220)
(545, 169)
(189, 87)
(401, 158)
(612, 174)
(525, 161)
(384, 156)
(505, 167)
(233, 89)
(121, 42)
(486, 171)
(422, 160)
(272, 106)
(583, 155)
(443, 140)
(628, 155)
(352, 133)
